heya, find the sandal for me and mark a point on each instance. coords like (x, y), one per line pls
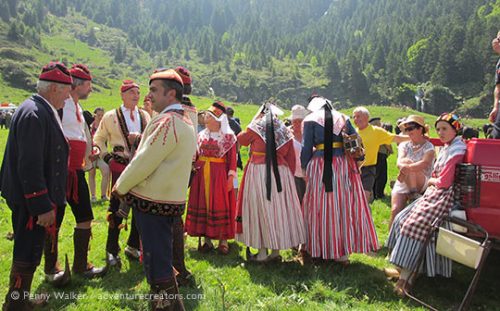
(402, 288)
(268, 259)
(251, 257)
(223, 249)
(343, 263)
(205, 248)
(391, 273)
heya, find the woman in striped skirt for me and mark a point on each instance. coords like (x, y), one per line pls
(337, 215)
(412, 226)
(269, 215)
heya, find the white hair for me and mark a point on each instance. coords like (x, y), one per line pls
(362, 110)
(43, 86)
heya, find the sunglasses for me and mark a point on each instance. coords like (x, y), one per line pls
(54, 65)
(410, 128)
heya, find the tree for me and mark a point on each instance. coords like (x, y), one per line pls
(356, 79)
(15, 31)
(92, 38)
(378, 59)
(415, 56)
(333, 71)
(439, 99)
(300, 57)
(4, 11)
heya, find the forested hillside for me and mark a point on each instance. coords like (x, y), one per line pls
(355, 51)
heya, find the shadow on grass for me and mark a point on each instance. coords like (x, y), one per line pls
(215, 259)
(351, 279)
(447, 293)
(443, 293)
(129, 283)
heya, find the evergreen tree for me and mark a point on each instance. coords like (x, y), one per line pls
(4, 11)
(15, 31)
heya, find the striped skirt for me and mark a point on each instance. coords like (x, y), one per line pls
(406, 250)
(276, 224)
(338, 223)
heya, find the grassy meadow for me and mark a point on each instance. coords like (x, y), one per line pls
(229, 283)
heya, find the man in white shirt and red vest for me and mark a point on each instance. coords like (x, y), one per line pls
(155, 184)
(77, 191)
(120, 130)
(33, 178)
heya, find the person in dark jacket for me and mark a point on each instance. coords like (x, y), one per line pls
(33, 178)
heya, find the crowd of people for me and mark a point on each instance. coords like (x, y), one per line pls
(5, 119)
(306, 186)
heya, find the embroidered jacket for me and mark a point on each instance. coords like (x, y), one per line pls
(160, 169)
(113, 131)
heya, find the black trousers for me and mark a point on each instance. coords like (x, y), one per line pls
(157, 238)
(81, 209)
(380, 176)
(28, 240)
(112, 245)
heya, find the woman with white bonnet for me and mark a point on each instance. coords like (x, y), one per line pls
(336, 211)
(212, 201)
(269, 214)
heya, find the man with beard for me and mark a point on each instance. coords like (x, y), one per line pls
(166, 150)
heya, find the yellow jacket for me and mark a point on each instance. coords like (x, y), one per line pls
(159, 171)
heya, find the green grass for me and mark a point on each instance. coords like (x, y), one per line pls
(362, 286)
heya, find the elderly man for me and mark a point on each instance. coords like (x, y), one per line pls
(299, 113)
(33, 178)
(166, 149)
(120, 129)
(77, 192)
(494, 116)
(373, 137)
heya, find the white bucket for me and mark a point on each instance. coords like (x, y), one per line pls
(459, 248)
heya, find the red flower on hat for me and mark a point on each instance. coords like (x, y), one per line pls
(217, 109)
(185, 74)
